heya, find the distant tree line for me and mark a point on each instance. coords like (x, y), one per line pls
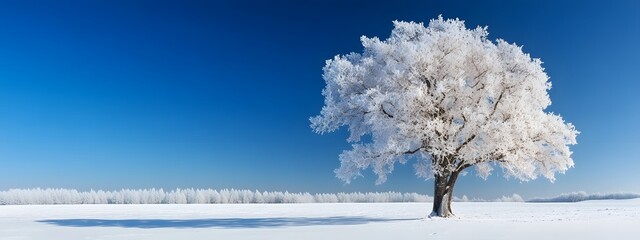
(38, 196)
(583, 196)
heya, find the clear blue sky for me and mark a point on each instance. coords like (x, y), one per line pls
(207, 94)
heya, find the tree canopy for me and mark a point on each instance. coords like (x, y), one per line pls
(449, 98)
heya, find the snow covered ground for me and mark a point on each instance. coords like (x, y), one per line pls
(603, 219)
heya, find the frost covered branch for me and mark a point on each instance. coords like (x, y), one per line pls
(449, 93)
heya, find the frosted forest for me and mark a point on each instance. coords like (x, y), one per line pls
(52, 196)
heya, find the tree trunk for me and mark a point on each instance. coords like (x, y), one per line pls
(442, 194)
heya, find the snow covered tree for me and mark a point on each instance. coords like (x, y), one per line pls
(449, 98)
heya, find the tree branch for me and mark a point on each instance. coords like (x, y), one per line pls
(465, 142)
(413, 151)
(495, 106)
(385, 112)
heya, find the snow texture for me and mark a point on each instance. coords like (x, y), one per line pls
(587, 220)
(449, 98)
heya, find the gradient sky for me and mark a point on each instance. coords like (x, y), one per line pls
(208, 94)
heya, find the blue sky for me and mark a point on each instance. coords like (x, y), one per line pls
(208, 94)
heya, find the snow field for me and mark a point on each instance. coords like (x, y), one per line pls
(491, 220)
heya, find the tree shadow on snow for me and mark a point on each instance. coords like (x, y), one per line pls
(218, 222)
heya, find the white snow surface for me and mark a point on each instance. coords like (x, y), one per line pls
(492, 220)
